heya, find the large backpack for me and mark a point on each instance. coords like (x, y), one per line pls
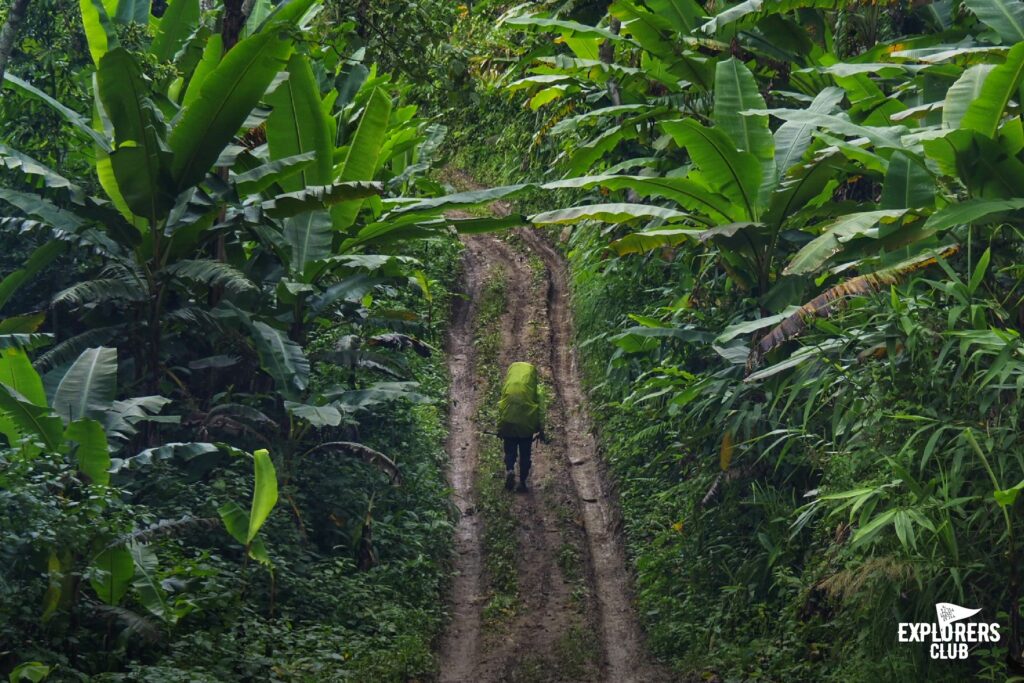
(519, 410)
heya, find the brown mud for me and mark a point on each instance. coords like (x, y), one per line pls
(575, 619)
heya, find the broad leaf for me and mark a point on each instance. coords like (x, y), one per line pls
(609, 213)
(908, 184)
(298, 125)
(363, 153)
(966, 90)
(735, 174)
(92, 452)
(264, 495)
(88, 386)
(99, 31)
(1002, 83)
(140, 165)
(281, 358)
(819, 250)
(1006, 17)
(112, 573)
(206, 126)
(736, 93)
(179, 20)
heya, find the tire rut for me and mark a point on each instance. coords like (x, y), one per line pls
(568, 483)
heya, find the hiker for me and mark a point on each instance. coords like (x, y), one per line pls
(519, 420)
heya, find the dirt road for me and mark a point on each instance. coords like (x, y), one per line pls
(573, 618)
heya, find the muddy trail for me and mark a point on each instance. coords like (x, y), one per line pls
(571, 617)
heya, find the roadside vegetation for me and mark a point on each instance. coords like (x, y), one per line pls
(794, 236)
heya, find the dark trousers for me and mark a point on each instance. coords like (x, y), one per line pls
(518, 447)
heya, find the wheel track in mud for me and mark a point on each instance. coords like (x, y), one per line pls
(566, 474)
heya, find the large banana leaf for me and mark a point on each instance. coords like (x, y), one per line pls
(609, 213)
(985, 113)
(180, 18)
(99, 31)
(281, 358)
(971, 211)
(22, 417)
(736, 92)
(908, 184)
(735, 174)
(89, 385)
(792, 139)
(92, 451)
(309, 235)
(226, 98)
(298, 125)
(683, 191)
(1005, 17)
(140, 165)
(363, 153)
(966, 90)
(16, 372)
(264, 494)
(819, 250)
(212, 54)
(112, 573)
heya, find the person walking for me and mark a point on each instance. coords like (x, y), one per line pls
(520, 419)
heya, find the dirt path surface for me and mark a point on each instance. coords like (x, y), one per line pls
(574, 620)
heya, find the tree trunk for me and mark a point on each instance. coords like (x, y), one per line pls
(14, 18)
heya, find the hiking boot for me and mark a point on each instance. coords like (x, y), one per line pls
(522, 487)
(510, 480)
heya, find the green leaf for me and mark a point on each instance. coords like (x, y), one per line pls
(263, 176)
(281, 358)
(235, 520)
(1005, 17)
(181, 17)
(1007, 497)
(815, 253)
(966, 90)
(212, 274)
(735, 174)
(99, 32)
(310, 198)
(363, 153)
(16, 372)
(147, 582)
(908, 184)
(41, 257)
(139, 162)
(89, 385)
(298, 125)
(609, 213)
(34, 672)
(792, 139)
(683, 191)
(985, 113)
(971, 211)
(133, 12)
(649, 240)
(212, 54)
(264, 495)
(318, 416)
(979, 271)
(736, 92)
(226, 97)
(113, 570)
(869, 530)
(93, 453)
(309, 235)
(30, 419)
(570, 28)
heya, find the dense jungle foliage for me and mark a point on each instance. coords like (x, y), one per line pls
(794, 236)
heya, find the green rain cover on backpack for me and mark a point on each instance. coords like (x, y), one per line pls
(519, 408)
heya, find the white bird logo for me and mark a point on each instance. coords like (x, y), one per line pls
(948, 613)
